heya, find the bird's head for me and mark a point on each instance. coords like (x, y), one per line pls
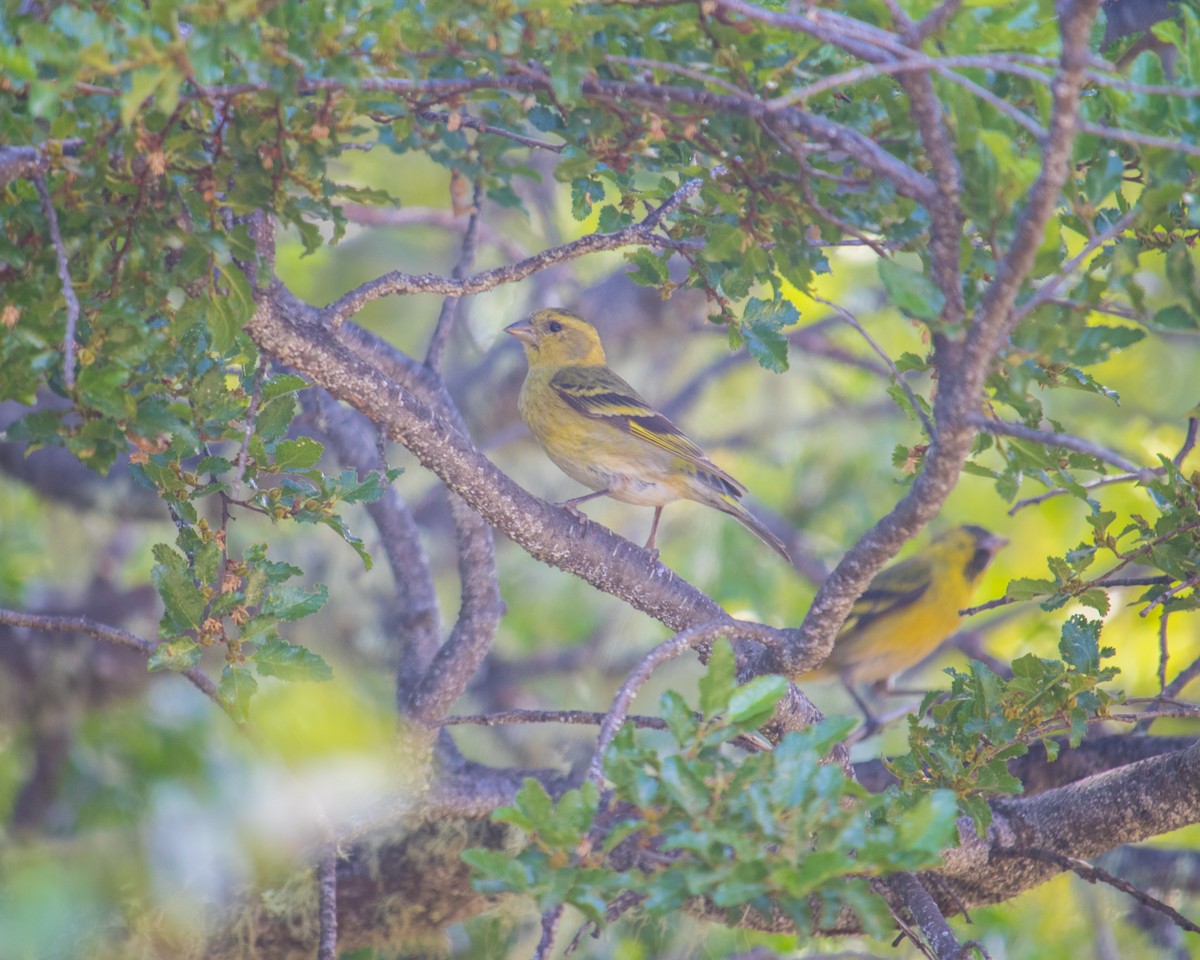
(971, 546)
(558, 338)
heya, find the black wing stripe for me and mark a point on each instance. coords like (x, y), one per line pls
(889, 601)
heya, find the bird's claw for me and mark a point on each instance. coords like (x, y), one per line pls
(578, 515)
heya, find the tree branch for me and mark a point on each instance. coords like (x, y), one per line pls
(102, 631)
(336, 313)
(64, 278)
(1066, 441)
(290, 331)
(961, 366)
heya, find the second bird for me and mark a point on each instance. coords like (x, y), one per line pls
(599, 431)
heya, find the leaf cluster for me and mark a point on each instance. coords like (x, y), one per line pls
(963, 739)
(781, 831)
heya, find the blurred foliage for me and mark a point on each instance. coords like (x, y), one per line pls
(169, 121)
(779, 829)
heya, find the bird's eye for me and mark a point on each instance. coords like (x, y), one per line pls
(554, 326)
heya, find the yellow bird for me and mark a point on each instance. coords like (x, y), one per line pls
(910, 607)
(598, 431)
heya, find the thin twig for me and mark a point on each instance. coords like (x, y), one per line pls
(849, 318)
(700, 635)
(64, 277)
(1168, 594)
(1100, 582)
(1049, 439)
(1164, 652)
(550, 921)
(1182, 679)
(1189, 441)
(1090, 485)
(102, 631)
(1093, 874)
(464, 119)
(692, 74)
(449, 311)
(591, 718)
(431, 217)
(1048, 289)
(336, 313)
(941, 940)
(1141, 139)
(248, 429)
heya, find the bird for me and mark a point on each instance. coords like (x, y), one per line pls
(599, 431)
(909, 608)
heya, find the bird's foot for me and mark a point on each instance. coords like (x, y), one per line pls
(578, 514)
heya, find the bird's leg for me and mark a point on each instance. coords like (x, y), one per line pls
(572, 506)
(872, 724)
(654, 531)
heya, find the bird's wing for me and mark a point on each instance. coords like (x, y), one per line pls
(892, 590)
(599, 393)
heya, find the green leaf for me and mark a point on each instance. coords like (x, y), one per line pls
(229, 312)
(913, 293)
(586, 192)
(768, 347)
(278, 658)
(298, 454)
(651, 268)
(502, 873)
(1176, 317)
(177, 655)
(236, 688)
(719, 680)
(184, 603)
(275, 417)
(282, 384)
(684, 787)
(291, 602)
(679, 718)
(761, 322)
(1080, 643)
(755, 701)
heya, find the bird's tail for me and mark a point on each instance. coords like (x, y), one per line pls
(738, 511)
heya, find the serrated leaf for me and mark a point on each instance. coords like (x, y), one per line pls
(291, 602)
(913, 293)
(1080, 643)
(651, 268)
(175, 655)
(767, 346)
(236, 688)
(183, 602)
(586, 192)
(298, 454)
(278, 658)
(282, 384)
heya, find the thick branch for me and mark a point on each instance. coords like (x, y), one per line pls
(288, 330)
(353, 440)
(1082, 820)
(962, 367)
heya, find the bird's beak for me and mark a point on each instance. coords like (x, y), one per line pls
(522, 330)
(994, 542)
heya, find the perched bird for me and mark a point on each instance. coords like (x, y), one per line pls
(910, 607)
(598, 431)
